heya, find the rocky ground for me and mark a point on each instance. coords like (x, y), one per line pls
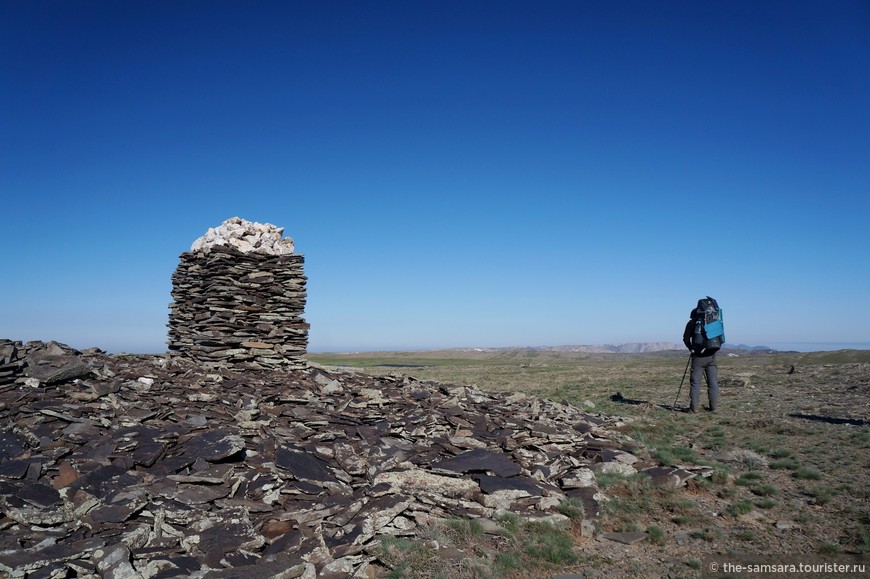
(138, 466)
(790, 449)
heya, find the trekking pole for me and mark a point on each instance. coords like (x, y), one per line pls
(683, 380)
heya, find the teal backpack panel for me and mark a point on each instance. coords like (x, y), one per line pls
(714, 329)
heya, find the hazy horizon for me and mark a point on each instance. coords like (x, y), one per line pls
(780, 346)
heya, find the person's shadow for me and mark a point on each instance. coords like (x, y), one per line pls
(830, 419)
(618, 397)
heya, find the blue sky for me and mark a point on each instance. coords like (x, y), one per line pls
(455, 173)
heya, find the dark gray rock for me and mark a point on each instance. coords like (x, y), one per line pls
(11, 445)
(304, 465)
(215, 445)
(490, 484)
(18, 562)
(480, 460)
(40, 495)
(50, 369)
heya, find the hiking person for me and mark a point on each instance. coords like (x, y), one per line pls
(703, 336)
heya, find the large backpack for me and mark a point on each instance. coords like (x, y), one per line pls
(709, 329)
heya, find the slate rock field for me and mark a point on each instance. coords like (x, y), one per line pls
(157, 467)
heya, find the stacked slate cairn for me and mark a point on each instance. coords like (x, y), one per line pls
(239, 295)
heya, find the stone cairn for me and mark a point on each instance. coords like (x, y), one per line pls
(239, 295)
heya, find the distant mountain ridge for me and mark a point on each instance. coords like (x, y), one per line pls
(745, 347)
(627, 348)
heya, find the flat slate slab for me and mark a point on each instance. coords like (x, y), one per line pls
(625, 538)
(303, 464)
(215, 445)
(480, 460)
(490, 484)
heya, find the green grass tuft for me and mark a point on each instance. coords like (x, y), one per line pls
(748, 479)
(766, 503)
(674, 455)
(509, 522)
(808, 474)
(404, 555)
(655, 534)
(739, 508)
(549, 545)
(758, 447)
(720, 474)
(507, 564)
(708, 533)
(765, 491)
(571, 508)
(822, 494)
(607, 479)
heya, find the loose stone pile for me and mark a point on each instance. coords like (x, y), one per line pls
(239, 296)
(36, 363)
(151, 467)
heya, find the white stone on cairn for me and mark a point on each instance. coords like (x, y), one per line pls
(246, 236)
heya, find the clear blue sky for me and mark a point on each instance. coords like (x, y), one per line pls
(455, 173)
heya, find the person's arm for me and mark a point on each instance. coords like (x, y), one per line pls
(688, 333)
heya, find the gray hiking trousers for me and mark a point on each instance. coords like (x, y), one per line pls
(704, 365)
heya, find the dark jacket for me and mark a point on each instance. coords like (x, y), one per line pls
(689, 338)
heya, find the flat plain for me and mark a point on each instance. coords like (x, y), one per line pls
(789, 450)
